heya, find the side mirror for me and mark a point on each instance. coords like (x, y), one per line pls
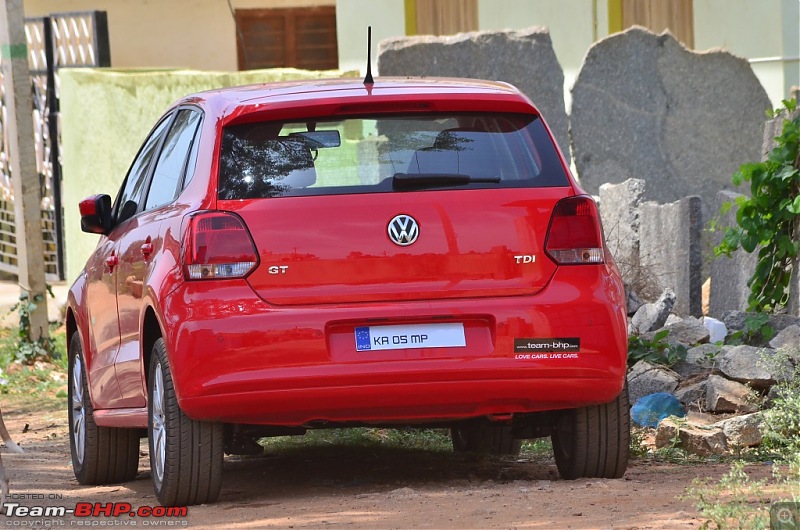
(96, 214)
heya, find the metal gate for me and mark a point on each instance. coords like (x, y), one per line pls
(61, 40)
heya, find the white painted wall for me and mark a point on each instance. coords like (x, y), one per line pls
(195, 34)
(387, 18)
(754, 30)
(200, 34)
(574, 25)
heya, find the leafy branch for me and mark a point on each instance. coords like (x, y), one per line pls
(656, 350)
(767, 220)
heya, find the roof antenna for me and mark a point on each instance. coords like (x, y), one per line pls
(368, 78)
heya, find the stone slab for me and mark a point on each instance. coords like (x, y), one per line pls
(643, 106)
(670, 251)
(619, 211)
(729, 275)
(524, 58)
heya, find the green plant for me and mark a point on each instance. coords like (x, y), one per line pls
(757, 330)
(768, 219)
(30, 350)
(711, 356)
(47, 380)
(735, 501)
(638, 438)
(656, 350)
(781, 427)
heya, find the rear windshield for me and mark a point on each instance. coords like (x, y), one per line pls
(387, 154)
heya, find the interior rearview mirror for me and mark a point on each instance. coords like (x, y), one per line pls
(320, 139)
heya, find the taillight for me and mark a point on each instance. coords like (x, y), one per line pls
(574, 236)
(217, 245)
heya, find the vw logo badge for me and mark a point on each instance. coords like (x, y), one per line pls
(403, 230)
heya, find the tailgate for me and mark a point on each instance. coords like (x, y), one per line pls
(339, 249)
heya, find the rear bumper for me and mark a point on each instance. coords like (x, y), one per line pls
(235, 358)
(402, 402)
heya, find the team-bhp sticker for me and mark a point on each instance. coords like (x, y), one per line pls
(446, 335)
(556, 348)
(92, 514)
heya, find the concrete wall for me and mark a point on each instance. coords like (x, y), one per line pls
(98, 146)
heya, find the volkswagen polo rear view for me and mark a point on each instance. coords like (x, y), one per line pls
(285, 257)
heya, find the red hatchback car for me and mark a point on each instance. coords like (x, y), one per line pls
(335, 253)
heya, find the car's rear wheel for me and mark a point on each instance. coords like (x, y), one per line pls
(100, 455)
(186, 455)
(594, 441)
(483, 436)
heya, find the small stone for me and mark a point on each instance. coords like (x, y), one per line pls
(632, 301)
(645, 379)
(651, 317)
(743, 431)
(693, 395)
(788, 342)
(704, 355)
(780, 322)
(695, 439)
(403, 492)
(757, 367)
(690, 331)
(723, 395)
(688, 370)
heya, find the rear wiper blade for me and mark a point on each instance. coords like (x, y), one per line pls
(417, 180)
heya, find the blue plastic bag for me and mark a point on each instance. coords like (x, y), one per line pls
(651, 409)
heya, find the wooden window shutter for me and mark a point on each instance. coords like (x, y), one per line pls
(658, 15)
(298, 37)
(446, 17)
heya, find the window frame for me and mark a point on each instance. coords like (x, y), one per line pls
(548, 165)
(191, 155)
(166, 121)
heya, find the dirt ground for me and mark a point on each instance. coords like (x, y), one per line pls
(345, 487)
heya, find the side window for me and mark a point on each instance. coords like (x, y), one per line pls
(172, 161)
(130, 196)
(192, 162)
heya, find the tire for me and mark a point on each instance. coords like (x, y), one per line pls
(100, 455)
(186, 455)
(594, 442)
(483, 436)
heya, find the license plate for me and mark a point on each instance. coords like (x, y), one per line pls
(401, 337)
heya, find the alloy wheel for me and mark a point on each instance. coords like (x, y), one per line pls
(159, 425)
(78, 409)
